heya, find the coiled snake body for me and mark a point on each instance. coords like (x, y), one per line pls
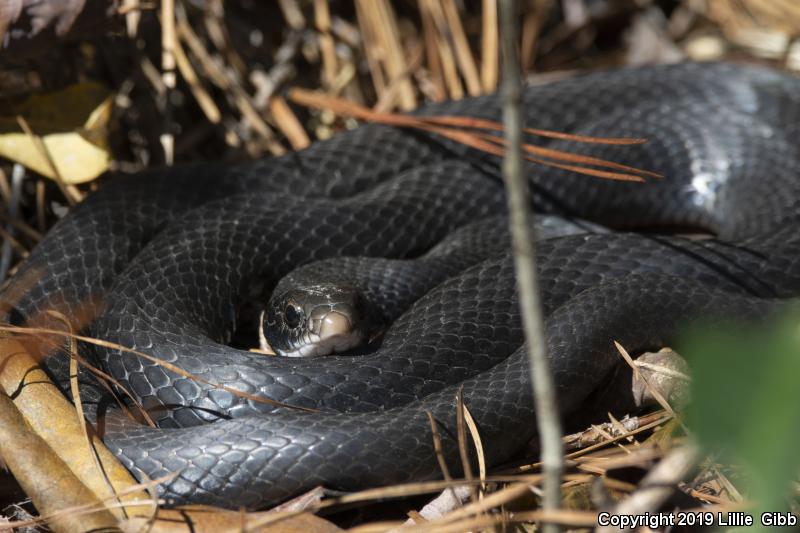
(161, 258)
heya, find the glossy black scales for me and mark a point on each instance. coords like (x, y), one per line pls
(156, 262)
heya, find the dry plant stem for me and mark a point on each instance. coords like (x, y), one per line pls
(293, 14)
(437, 448)
(201, 95)
(5, 188)
(432, 11)
(288, 123)
(658, 484)
(395, 62)
(433, 61)
(45, 478)
(327, 44)
(547, 419)
(464, 57)
(462, 443)
(85, 428)
(17, 175)
(20, 225)
(489, 46)
(168, 74)
(476, 440)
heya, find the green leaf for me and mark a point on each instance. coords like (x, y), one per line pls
(746, 402)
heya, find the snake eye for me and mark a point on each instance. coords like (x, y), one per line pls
(292, 314)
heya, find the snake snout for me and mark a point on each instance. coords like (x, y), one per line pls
(317, 320)
(335, 329)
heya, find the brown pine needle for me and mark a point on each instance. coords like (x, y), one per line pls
(573, 158)
(450, 127)
(483, 124)
(470, 139)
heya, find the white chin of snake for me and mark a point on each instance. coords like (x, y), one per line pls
(317, 347)
(335, 336)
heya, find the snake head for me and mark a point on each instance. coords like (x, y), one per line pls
(315, 320)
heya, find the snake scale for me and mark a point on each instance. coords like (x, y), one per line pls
(157, 261)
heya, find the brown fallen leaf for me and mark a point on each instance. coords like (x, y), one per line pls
(48, 413)
(48, 481)
(68, 125)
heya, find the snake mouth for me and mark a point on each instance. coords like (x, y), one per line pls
(327, 331)
(331, 333)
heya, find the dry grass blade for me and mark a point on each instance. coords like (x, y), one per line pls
(437, 448)
(379, 26)
(288, 123)
(327, 44)
(201, 95)
(70, 192)
(160, 362)
(462, 443)
(106, 380)
(437, 91)
(427, 487)
(639, 457)
(76, 398)
(21, 226)
(476, 439)
(466, 63)
(387, 100)
(489, 49)
(440, 57)
(641, 429)
(14, 243)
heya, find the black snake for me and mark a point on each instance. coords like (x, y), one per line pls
(164, 259)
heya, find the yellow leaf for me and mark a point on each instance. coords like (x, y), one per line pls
(72, 125)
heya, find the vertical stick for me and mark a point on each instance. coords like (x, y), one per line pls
(547, 416)
(168, 75)
(17, 176)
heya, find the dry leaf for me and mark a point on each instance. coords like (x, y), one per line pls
(71, 123)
